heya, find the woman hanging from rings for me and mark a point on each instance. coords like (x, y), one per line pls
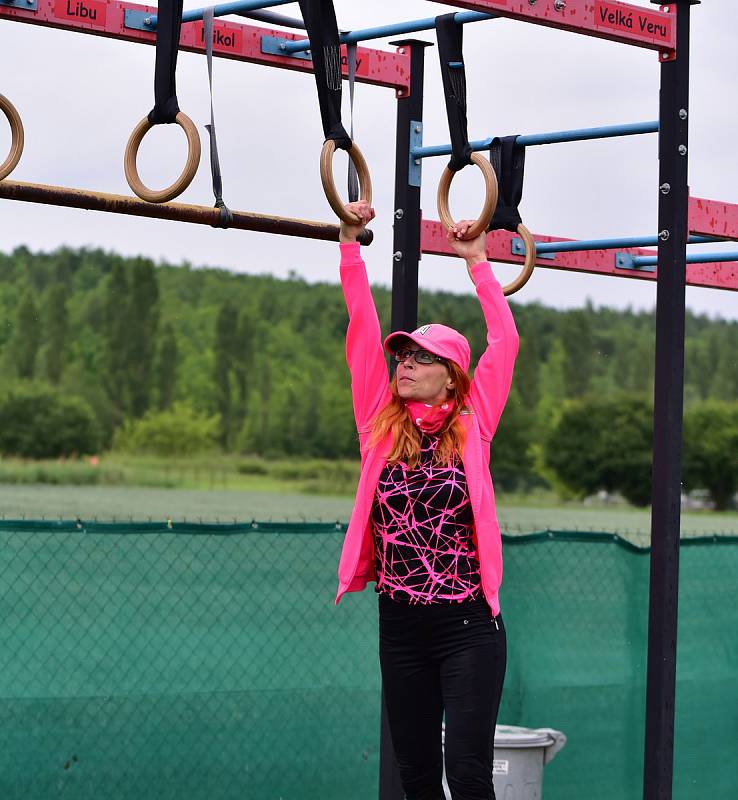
(424, 525)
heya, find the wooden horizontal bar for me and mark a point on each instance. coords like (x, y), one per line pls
(605, 19)
(233, 40)
(723, 275)
(178, 212)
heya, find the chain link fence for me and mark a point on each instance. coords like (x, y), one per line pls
(168, 660)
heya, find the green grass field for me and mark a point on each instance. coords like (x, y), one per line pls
(227, 505)
(224, 488)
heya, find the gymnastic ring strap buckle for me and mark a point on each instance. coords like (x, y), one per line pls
(17, 137)
(528, 266)
(329, 186)
(490, 197)
(188, 173)
(225, 219)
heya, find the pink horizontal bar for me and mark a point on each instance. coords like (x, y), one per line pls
(713, 218)
(232, 40)
(605, 19)
(723, 275)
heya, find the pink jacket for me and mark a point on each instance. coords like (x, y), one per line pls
(370, 392)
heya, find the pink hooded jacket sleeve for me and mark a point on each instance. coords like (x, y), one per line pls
(364, 353)
(494, 371)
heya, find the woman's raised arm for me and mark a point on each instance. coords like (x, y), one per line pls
(494, 371)
(364, 352)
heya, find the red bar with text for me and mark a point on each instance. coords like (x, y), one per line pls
(231, 39)
(605, 19)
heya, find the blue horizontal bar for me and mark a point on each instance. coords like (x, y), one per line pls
(609, 244)
(692, 258)
(396, 29)
(226, 8)
(554, 137)
(582, 134)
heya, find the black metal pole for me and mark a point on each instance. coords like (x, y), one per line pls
(668, 406)
(405, 258)
(406, 240)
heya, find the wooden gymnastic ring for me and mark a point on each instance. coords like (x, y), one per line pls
(188, 173)
(490, 197)
(329, 186)
(16, 132)
(530, 261)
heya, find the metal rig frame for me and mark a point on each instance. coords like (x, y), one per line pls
(680, 219)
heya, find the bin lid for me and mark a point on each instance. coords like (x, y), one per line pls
(514, 736)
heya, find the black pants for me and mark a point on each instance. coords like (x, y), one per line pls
(438, 658)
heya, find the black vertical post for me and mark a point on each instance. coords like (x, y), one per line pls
(668, 406)
(405, 258)
(406, 240)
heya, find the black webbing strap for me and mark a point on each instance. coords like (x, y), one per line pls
(508, 160)
(320, 22)
(168, 23)
(353, 177)
(226, 218)
(450, 52)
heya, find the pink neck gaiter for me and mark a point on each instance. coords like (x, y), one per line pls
(429, 418)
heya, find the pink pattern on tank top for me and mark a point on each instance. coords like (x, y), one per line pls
(423, 522)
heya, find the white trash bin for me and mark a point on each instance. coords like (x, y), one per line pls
(520, 755)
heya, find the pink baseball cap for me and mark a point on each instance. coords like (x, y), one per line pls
(437, 339)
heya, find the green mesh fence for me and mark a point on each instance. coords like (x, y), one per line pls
(202, 661)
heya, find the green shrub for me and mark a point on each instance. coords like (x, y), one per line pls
(330, 477)
(252, 468)
(604, 443)
(711, 450)
(37, 422)
(178, 431)
(295, 470)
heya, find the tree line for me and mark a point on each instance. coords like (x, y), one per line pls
(261, 360)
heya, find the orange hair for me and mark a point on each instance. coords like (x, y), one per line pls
(395, 419)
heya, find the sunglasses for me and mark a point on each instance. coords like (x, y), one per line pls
(420, 356)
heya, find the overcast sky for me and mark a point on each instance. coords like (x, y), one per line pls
(81, 95)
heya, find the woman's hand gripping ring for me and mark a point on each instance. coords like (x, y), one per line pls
(530, 261)
(329, 186)
(16, 132)
(490, 197)
(188, 173)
